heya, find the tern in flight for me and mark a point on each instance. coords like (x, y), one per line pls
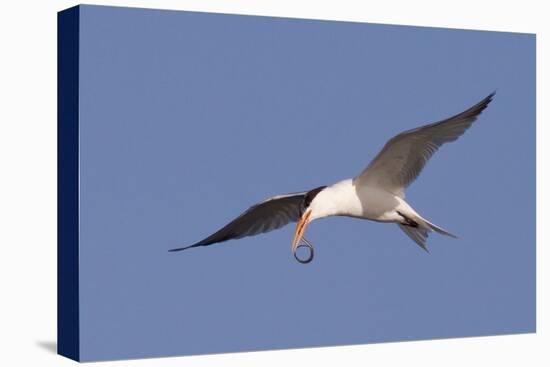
(377, 193)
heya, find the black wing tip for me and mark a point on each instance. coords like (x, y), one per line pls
(489, 98)
(183, 248)
(485, 101)
(477, 109)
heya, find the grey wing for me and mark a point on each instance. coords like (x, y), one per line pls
(404, 156)
(263, 217)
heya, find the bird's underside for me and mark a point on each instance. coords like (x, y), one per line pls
(377, 193)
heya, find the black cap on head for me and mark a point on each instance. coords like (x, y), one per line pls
(310, 196)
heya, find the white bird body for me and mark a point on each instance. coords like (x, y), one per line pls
(377, 193)
(345, 198)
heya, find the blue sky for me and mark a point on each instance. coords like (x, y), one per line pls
(187, 119)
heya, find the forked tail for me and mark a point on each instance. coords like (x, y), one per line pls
(438, 229)
(419, 228)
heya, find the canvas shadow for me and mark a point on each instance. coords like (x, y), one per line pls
(48, 345)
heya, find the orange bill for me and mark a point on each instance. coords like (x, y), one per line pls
(300, 229)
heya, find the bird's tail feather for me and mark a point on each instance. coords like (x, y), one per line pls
(417, 234)
(438, 229)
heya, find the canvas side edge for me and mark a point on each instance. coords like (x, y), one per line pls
(68, 325)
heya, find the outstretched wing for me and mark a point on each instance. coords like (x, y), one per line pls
(263, 217)
(401, 160)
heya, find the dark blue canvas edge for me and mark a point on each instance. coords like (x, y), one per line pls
(68, 332)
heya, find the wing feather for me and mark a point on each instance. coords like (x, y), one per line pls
(263, 217)
(404, 156)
